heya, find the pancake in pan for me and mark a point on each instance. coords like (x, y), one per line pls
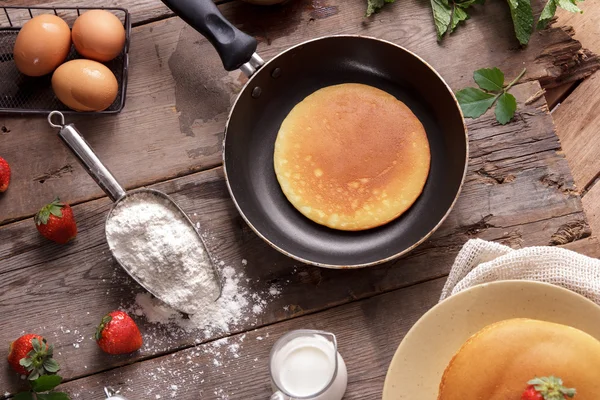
(497, 362)
(351, 157)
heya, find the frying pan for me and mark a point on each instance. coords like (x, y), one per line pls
(275, 87)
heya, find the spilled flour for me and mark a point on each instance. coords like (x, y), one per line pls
(158, 246)
(215, 317)
(237, 307)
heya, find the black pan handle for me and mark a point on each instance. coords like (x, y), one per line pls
(234, 46)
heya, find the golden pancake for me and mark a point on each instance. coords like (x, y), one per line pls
(351, 157)
(497, 362)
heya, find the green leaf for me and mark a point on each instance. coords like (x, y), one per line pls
(522, 17)
(34, 375)
(547, 14)
(26, 362)
(513, 3)
(474, 102)
(51, 365)
(24, 396)
(458, 16)
(105, 320)
(505, 108)
(569, 5)
(53, 396)
(54, 208)
(375, 5)
(37, 347)
(490, 79)
(45, 383)
(442, 16)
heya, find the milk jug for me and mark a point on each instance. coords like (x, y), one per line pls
(305, 364)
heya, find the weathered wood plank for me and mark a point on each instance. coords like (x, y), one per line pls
(558, 94)
(179, 95)
(518, 191)
(585, 25)
(589, 246)
(591, 205)
(577, 122)
(368, 334)
(141, 10)
(586, 31)
(576, 117)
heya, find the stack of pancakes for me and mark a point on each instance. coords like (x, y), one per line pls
(497, 362)
(351, 157)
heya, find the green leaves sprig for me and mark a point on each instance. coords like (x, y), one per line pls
(475, 102)
(41, 389)
(448, 14)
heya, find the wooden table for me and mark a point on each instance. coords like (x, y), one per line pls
(519, 191)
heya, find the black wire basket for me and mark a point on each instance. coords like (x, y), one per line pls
(21, 94)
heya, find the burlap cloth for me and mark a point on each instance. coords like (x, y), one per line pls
(480, 261)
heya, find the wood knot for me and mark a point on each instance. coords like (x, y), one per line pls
(570, 232)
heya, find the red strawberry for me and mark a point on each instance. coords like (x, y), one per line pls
(118, 334)
(547, 388)
(31, 355)
(4, 175)
(55, 221)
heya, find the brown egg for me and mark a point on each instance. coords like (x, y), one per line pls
(85, 85)
(98, 35)
(42, 44)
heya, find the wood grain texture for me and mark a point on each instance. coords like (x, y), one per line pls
(179, 95)
(577, 118)
(585, 25)
(589, 246)
(368, 333)
(559, 93)
(586, 31)
(141, 10)
(236, 367)
(591, 205)
(577, 122)
(80, 282)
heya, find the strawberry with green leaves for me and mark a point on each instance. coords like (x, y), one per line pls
(118, 334)
(30, 355)
(547, 388)
(55, 221)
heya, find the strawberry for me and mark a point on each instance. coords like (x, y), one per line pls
(31, 355)
(4, 175)
(55, 221)
(547, 388)
(118, 334)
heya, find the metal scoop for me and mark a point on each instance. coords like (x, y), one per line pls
(86, 156)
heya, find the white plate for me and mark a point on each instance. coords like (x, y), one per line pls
(422, 357)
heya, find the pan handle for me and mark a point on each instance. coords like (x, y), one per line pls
(86, 156)
(236, 49)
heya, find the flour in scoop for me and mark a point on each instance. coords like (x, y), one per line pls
(150, 238)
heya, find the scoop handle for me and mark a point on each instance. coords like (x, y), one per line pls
(86, 156)
(234, 46)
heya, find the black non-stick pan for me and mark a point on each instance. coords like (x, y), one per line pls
(275, 87)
